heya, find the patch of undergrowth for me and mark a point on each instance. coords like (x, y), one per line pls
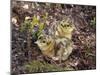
(33, 27)
(88, 52)
(93, 22)
(42, 66)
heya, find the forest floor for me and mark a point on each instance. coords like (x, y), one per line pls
(83, 56)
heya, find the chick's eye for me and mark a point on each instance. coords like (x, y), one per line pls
(43, 41)
(68, 25)
(40, 37)
(64, 25)
(61, 24)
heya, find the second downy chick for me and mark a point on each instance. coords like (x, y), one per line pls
(46, 45)
(65, 29)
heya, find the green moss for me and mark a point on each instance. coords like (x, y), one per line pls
(38, 66)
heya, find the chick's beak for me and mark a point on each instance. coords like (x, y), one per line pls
(36, 42)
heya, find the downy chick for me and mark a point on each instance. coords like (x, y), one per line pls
(46, 45)
(64, 29)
